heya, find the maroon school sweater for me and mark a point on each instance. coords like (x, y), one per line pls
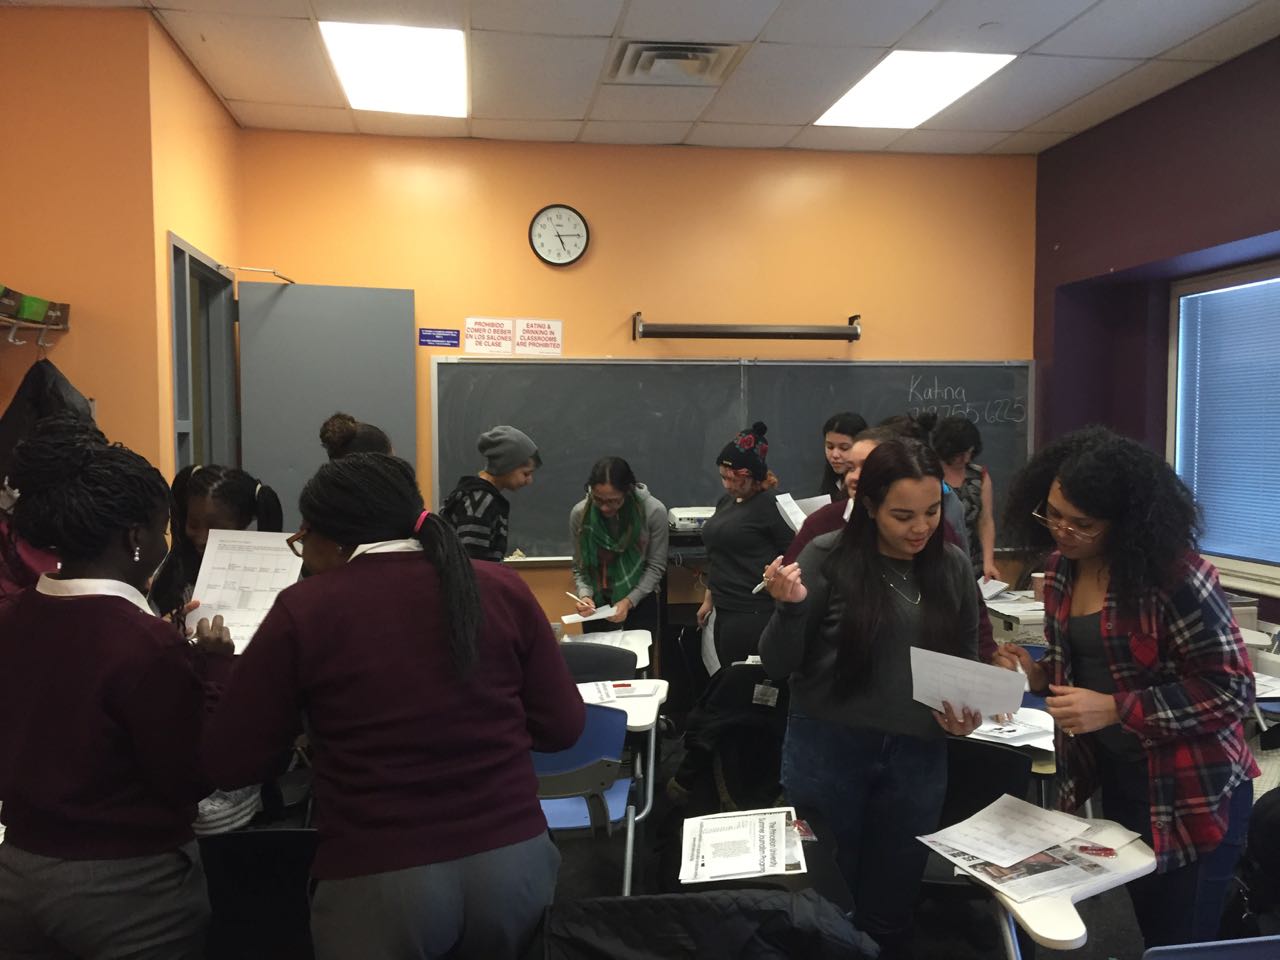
(101, 709)
(412, 764)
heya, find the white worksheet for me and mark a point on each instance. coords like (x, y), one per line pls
(240, 575)
(597, 691)
(602, 613)
(1266, 687)
(991, 588)
(963, 683)
(1010, 830)
(794, 511)
(747, 843)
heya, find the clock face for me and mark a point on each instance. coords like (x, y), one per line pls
(558, 234)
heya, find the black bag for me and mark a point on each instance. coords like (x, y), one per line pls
(1253, 903)
(43, 392)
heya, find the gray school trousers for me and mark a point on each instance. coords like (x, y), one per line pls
(485, 906)
(139, 908)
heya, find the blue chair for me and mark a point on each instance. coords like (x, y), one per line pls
(1258, 948)
(581, 788)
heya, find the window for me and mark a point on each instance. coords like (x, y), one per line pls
(1225, 417)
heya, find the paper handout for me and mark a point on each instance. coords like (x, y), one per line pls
(794, 511)
(602, 613)
(746, 843)
(991, 588)
(1010, 830)
(240, 575)
(597, 691)
(963, 683)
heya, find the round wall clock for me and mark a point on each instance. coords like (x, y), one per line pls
(558, 234)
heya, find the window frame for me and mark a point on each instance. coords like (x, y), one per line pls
(1237, 574)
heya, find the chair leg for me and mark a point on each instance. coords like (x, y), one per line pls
(629, 854)
(1009, 933)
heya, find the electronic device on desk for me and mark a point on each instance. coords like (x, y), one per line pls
(687, 519)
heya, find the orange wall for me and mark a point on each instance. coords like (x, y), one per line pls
(194, 191)
(934, 252)
(77, 226)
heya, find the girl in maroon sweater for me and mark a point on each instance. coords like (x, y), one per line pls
(101, 707)
(425, 680)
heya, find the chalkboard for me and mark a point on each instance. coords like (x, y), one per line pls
(670, 419)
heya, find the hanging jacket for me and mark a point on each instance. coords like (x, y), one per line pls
(43, 392)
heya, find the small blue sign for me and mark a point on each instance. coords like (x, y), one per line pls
(429, 337)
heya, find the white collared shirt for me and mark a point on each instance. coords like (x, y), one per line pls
(387, 546)
(87, 587)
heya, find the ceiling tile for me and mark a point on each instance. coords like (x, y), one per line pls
(786, 83)
(852, 23)
(258, 59)
(608, 131)
(526, 77)
(719, 21)
(298, 9)
(1025, 91)
(1027, 142)
(526, 129)
(991, 26)
(1233, 37)
(565, 18)
(273, 116)
(402, 125)
(844, 138)
(1149, 80)
(1125, 28)
(945, 141)
(650, 103)
(741, 135)
(410, 13)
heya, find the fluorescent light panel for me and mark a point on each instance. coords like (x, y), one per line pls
(391, 69)
(908, 87)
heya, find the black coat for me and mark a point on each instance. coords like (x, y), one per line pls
(43, 392)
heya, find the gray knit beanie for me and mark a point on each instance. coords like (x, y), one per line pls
(506, 449)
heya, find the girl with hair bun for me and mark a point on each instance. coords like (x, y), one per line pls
(424, 682)
(342, 434)
(101, 713)
(743, 537)
(1145, 675)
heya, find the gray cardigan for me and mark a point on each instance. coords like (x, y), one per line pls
(653, 542)
(800, 642)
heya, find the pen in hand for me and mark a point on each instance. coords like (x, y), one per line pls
(580, 600)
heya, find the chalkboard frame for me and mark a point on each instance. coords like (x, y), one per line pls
(743, 364)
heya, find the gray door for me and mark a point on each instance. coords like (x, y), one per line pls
(307, 352)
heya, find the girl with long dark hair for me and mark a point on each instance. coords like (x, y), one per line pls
(838, 437)
(1146, 673)
(424, 681)
(858, 748)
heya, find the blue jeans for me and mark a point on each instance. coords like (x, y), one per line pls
(1183, 905)
(877, 793)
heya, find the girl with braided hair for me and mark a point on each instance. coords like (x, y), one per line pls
(1147, 676)
(424, 682)
(101, 712)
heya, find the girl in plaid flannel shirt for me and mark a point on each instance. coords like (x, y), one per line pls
(1147, 677)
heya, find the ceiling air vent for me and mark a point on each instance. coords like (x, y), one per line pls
(674, 64)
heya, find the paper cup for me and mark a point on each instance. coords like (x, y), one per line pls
(1037, 586)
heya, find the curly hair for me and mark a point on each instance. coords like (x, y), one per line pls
(953, 436)
(1154, 518)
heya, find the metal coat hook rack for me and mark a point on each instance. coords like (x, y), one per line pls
(640, 330)
(44, 328)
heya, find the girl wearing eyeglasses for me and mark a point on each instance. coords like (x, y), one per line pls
(1146, 674)
(619, 533)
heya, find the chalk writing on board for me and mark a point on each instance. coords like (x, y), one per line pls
(1002, 410)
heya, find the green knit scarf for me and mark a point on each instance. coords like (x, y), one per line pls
(613, 563)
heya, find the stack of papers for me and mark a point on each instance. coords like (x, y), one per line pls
(1025, 852)
(747, 843)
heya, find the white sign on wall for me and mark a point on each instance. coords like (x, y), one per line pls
(489, 335)
(539, 338)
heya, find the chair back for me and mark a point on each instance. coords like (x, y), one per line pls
(1258, 948)
(602, 739)
(978, 774)
(592, 662)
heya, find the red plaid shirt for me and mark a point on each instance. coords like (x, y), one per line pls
(1183, 687)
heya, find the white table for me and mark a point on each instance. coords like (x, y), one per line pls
(1053, 921)
(1017, 617)
(637, 641)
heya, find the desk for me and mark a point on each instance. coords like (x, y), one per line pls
(642, 717)
(1053, 921)
(1017, 618)
(637, 641)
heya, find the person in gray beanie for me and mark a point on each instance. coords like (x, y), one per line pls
(476, 507)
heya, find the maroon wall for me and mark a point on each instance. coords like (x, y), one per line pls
(1185, 183)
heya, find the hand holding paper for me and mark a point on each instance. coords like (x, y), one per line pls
(601, 613)
(988, 690)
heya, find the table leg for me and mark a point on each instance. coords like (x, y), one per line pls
(1008, 933)
(650, 771)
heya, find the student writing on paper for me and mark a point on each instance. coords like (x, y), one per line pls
(425, 680)
(342, 434)
(957, 442)
(746, 533)
(209, 497)
(837, 445)
(619, 533)
(858, 748)
(477, 507)
(101, 709)
(1146, 674)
